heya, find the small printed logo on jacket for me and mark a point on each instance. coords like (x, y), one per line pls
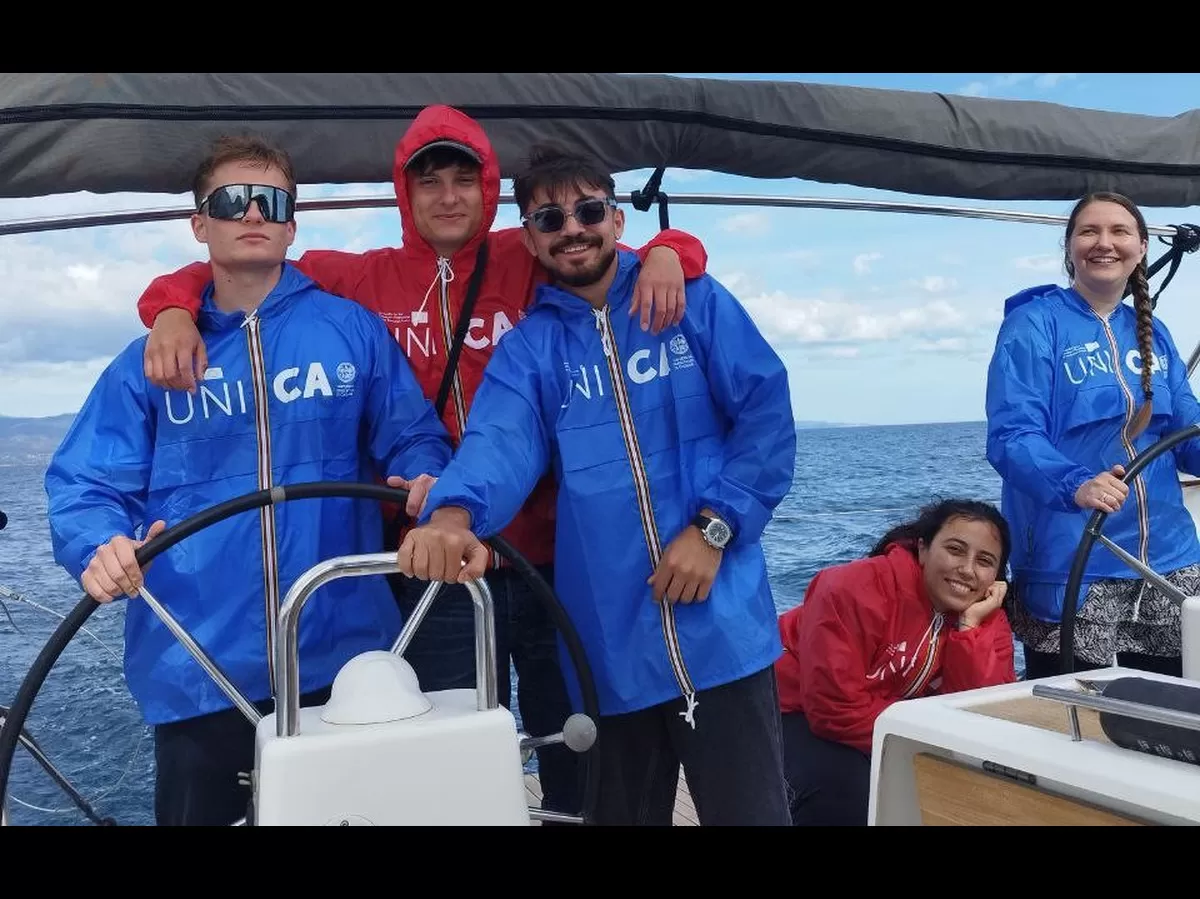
(890, 664)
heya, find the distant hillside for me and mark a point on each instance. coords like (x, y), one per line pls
(33, 435)
(43, 435)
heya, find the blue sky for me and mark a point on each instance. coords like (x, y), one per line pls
(881, 318)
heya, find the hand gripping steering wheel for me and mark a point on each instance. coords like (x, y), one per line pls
(579, 735)
(1091, 534)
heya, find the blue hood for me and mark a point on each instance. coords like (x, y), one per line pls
(292, 283)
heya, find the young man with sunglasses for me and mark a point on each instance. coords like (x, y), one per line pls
(302, 386)
(671, 453)
(447, 181)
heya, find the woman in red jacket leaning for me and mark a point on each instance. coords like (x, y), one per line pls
(919, 615)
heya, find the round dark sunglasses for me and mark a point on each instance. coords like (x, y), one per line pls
(552, 217)
(231, 201)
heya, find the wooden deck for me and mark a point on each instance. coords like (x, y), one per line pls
(685, 812)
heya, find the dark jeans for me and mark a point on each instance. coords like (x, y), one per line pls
(733, 759)
(1046, 664)
(442, 654)
(202, 764)
(829, 782)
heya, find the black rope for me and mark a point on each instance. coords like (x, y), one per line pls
(1185, 240)
(648, 195)
(32, 747)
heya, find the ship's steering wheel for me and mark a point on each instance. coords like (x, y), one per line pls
(11, 730)
(1091, 534)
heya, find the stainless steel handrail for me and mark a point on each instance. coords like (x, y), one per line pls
(1076, 700)
(287, 668)
(384, 201)
(238, 698)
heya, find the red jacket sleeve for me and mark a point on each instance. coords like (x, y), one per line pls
(840, 631)
(979, 657)
(331, 270)
(692, 255)
(180, 289)
(337, 272)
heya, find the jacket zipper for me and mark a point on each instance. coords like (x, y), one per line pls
(1139, 486)
(931, 654)
(641, 483)
(266, 514)
(456, 390)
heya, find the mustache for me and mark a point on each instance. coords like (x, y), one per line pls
(573, 241)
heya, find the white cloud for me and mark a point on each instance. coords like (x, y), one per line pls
(862, 262)
(805, 260)
(35, 389)
(1041, 80)
(1008, 79)
(937, 284)
(90, 273)
(844, 352)
(834, 319)
(749, 223)
(1042, 262)
(1051, 79)
(941, 345)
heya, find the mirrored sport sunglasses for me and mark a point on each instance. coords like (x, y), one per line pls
(230, 202)
(552, 217)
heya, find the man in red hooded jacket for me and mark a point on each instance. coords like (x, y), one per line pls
(447, 181)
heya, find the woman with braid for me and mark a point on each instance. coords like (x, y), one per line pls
(1081, 383)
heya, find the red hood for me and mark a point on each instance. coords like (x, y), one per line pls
(445, 123)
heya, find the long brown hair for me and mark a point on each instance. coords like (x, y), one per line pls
(933, 517)
(1139, 286)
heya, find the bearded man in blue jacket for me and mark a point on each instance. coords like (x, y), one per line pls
(671, 452)
(302, 386)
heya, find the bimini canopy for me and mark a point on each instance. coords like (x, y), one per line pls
(144, 132)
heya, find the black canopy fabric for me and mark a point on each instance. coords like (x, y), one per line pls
(144, 132)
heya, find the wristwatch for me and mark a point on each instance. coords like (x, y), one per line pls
(716, 532)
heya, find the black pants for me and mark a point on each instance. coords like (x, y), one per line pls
(1045, 664)
(733, 759)
(829, 783)
(202, 763)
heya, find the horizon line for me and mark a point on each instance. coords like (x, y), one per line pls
(799, 421)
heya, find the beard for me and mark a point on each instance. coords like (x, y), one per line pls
(574, 276)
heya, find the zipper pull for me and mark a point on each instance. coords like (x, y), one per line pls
(602, 327)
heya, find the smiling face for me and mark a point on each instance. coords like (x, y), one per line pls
(1104, 247)
(447, 205)
(575, 254)
(960, 563)
(251, 243)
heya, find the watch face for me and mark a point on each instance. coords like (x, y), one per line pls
(718, 532)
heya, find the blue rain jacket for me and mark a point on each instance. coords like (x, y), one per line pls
(1061, 386)
(641, 431)
(310, 387)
